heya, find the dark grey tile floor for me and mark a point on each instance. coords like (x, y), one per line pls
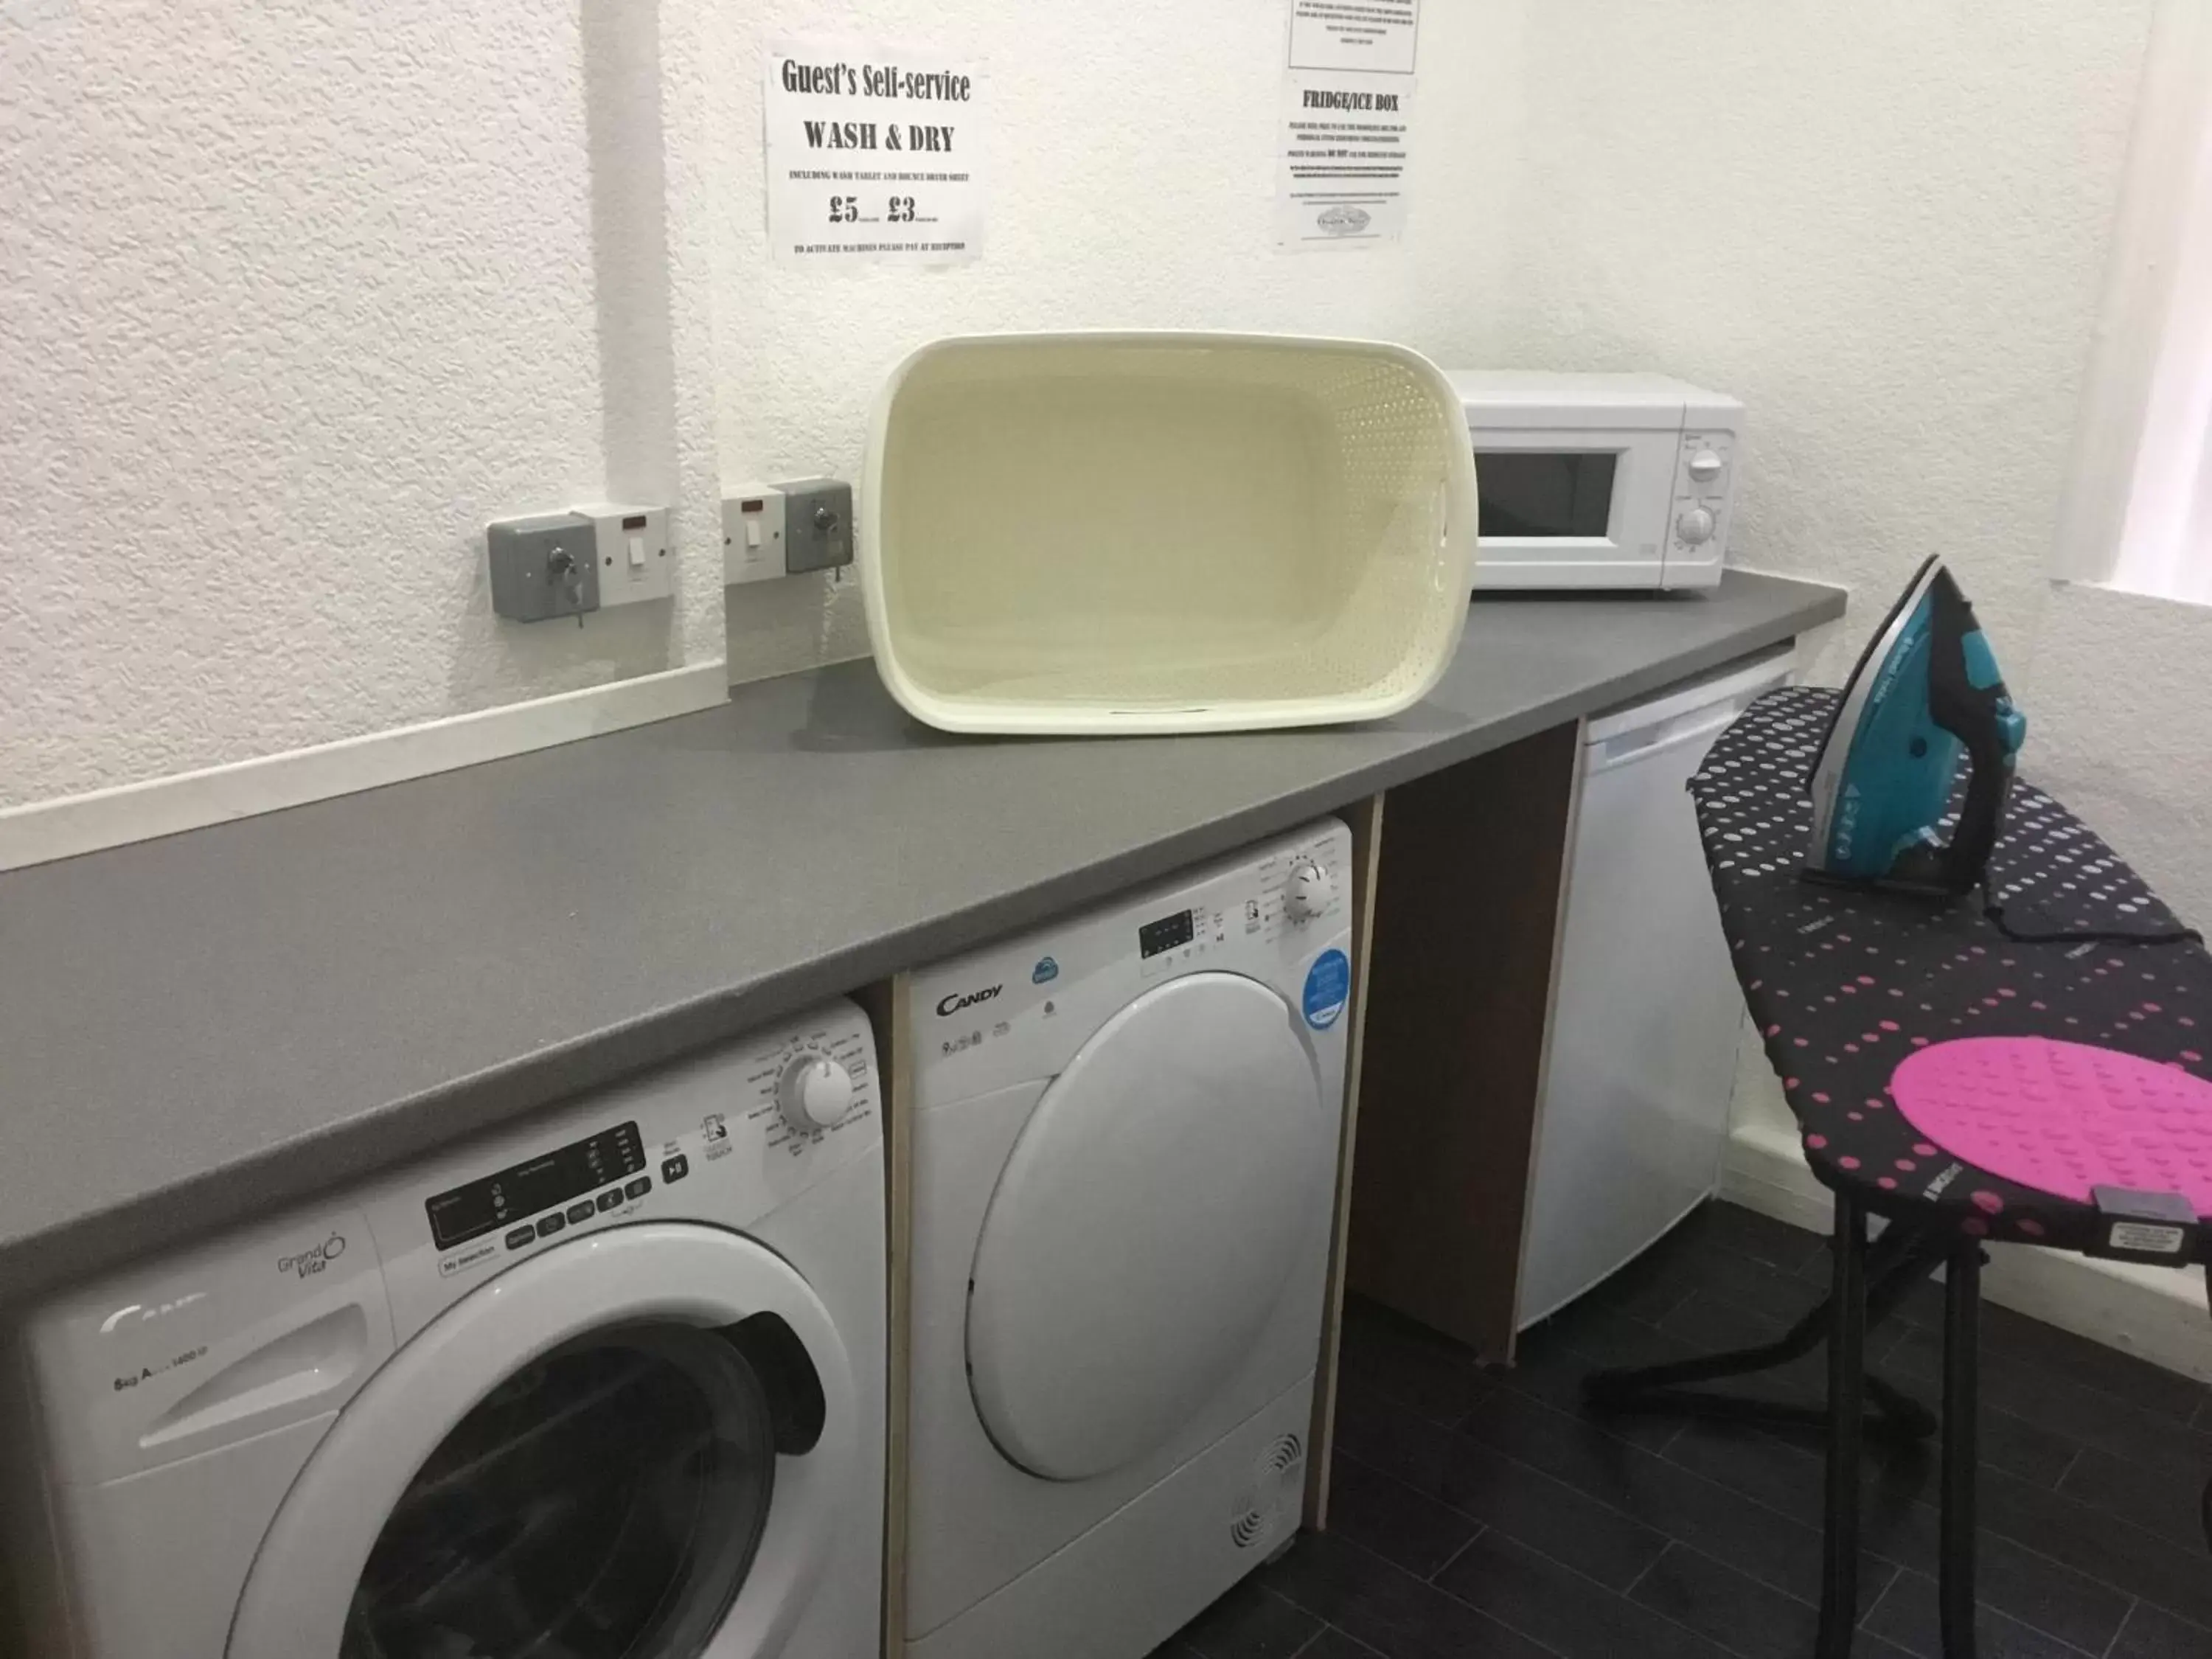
(1486, 1513)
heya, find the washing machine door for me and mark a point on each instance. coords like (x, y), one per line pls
(1146, 1225)
(634, 1444)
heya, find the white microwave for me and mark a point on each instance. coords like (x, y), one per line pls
(1600, 480)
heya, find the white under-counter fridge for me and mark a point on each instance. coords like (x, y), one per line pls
(1634, 1116)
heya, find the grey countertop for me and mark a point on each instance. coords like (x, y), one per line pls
(196, 1028)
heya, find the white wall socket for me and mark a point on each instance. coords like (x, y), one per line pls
(635, 560)
(752, 535)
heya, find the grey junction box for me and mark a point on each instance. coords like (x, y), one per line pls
(544, 566)
(817, 524)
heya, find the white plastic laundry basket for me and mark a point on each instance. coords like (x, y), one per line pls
(1164, 532)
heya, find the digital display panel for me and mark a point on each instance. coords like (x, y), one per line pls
(539, 1183)
(1165, 934)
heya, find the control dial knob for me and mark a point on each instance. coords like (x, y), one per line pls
(815, 1092)
(1695, 525)
(1705, 466)
(1307, 892)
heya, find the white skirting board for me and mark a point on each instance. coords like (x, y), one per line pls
(2157, 1312)
(45, 830)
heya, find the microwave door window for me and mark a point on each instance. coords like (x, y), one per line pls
(1545, 493)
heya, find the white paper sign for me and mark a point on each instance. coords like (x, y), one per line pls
(1341, 150)
(874, 152)
(1377, 36)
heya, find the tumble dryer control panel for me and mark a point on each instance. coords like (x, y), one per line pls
(1284, 895)
(1019, 1010)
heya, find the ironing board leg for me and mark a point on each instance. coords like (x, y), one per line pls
(1961, 1339)
(1892, 1265)
(1840, 1570)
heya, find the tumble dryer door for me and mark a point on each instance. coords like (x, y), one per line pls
(634, 1445)
(1145, 1225)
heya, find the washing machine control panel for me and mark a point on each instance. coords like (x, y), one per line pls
(1018, 1011)
(726, 1138)
(538, 1192)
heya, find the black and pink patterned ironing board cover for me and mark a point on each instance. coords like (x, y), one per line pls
(1939, 1069)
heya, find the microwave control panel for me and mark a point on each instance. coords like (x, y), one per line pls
(1704, 471)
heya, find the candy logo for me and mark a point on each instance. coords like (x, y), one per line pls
(1342, 221)
(957, 1000)
(314, 1260)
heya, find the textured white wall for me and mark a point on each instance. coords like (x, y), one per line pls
(294, 295)
(1132, 183)
(1885, 226)
(291, 300)
(2119, 706)
(1882, 225)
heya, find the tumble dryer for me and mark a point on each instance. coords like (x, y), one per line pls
(607, 1383)
(1126, 1138)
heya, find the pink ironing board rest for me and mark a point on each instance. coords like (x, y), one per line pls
(2064, 1117)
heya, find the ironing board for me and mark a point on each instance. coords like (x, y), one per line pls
(1969, 1072)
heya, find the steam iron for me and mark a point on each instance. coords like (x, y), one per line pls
(1926, 688)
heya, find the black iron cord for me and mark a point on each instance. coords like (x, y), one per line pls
(1996, 913)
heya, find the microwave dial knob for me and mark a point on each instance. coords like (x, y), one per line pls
(1308, 891)
(1705, 466)
(815, 1092)
(1695, 525)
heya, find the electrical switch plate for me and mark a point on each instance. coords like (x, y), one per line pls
(542, 568)
(752, 535)
(817, 516)
(634, 561)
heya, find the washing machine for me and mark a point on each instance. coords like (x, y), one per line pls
(608, 1383)
(1125, 1136)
